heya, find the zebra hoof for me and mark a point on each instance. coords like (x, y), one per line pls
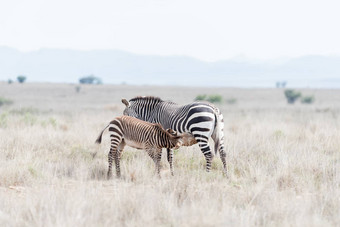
(109, 176)
(225, 173)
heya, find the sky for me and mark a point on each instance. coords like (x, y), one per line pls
(208, 30)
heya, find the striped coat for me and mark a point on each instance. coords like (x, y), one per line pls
(138, 134)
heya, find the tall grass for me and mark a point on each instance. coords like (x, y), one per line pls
(279, 174)
(284, 170)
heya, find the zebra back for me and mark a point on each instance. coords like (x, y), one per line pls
(171, 115)
(133, 129)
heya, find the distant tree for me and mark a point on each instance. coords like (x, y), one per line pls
(291, 95)
(281, 84)
(21, 79)
(10, 81)
(90, 80)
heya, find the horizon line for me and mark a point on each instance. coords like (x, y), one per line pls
(236, 58)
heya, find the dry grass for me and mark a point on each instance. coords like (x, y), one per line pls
(284, 162)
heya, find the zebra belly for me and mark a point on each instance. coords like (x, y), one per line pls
(134, 144)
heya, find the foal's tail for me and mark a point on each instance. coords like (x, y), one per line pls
(99, 139)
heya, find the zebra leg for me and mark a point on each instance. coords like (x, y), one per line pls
(204, 146)
(170, 154)
(117, 162)
(117, 157)
(110, 159)
(121, 148)
(207, 154)
(115, 142)
(223, 156)
(219, 146)
(158, 157)
(151, 154)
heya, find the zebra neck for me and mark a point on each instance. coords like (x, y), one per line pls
(166, 140)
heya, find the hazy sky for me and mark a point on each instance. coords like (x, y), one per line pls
(208, 30)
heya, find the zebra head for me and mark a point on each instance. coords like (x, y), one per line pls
(129, 110)
(186, 139)
(140, 107)
(176, 140)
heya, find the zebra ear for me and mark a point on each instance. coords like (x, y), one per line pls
(158, 126)
(172, 132)
(124, 101)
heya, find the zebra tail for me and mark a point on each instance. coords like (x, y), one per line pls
(218, 131)
(99, 139)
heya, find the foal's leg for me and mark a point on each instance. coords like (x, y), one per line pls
(150, 152)
(170, 154)
(110, 158)
(115, 142)
(117, 157)
(158, 157)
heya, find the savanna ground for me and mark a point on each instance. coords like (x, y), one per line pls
(283, 161)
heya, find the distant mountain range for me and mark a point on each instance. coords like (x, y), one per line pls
(115, 66)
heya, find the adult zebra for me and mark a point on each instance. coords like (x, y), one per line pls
(199, 119)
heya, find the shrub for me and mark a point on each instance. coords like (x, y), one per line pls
(231, 101)
(307, 99)
(214, 98)
(210, 98)
(24, 110)
(3, 120)
(201, 97)
(4, 101)
(21, 79)
(9, 81)
(29, 119)
(90, 80)
(292, 95)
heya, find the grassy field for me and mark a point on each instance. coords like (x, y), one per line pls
(283, 160)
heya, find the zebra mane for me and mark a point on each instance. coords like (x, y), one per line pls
(147, 98)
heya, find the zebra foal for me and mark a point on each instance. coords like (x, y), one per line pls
(138, 134)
